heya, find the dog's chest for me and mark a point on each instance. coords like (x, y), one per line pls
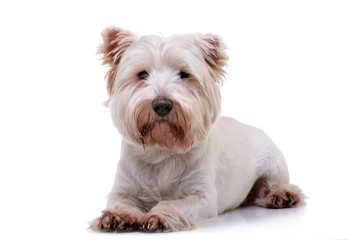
(161, 181)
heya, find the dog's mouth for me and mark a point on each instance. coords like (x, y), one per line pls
(162, 133)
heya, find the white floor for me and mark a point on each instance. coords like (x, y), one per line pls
(315, 221)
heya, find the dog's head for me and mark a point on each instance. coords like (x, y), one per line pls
(163, 92)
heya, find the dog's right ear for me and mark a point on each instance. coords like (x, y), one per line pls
(116, 42)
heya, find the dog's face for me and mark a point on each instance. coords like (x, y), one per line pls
(164, 92)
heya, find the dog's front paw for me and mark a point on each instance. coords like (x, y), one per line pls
(164, 222)
(155, 223)
(114, 220)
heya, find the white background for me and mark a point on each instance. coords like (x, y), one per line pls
(294, 71)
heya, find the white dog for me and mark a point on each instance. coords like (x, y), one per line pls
(181, 163)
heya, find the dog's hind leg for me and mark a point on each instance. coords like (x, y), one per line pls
(274, 196)
(281, 196)
(272, 189)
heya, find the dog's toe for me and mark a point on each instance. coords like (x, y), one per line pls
(284, 198)
(111, 221)
(154, 223)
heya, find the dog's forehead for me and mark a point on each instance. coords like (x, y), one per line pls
(180, 41)
(156, 52)
(175, 42)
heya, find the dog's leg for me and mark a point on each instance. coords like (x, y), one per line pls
(272, 189)
(179, 215)
(122, 216)
(281, 196)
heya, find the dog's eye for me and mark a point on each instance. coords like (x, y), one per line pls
(183, 75)
(143, 75)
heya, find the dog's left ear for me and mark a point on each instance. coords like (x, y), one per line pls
(116, 42)
(213, 48)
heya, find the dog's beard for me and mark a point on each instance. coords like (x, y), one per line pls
(164, 132)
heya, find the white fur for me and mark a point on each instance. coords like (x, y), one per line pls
(181, 185)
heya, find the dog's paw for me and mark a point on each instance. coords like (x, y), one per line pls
(114, 220)
(284, 197)
(155, 223)
(163, 222)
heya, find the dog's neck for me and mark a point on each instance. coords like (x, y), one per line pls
(155, 155)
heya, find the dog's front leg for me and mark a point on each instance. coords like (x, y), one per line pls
(120, 216)
(182, 214)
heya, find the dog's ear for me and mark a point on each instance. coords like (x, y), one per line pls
(213, 48)
(115, 42)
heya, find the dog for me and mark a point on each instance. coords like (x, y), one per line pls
(181, 163)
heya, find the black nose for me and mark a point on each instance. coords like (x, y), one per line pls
(162, 106)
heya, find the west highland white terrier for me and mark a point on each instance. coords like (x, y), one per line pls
(181, 163)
